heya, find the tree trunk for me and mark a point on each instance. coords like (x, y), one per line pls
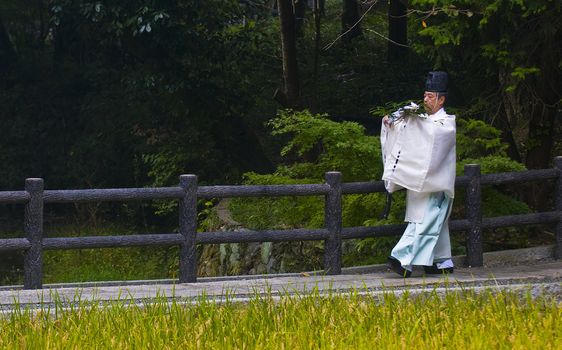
(540, 141)
(539, 154)
(290, 97)
(351, 28)
(60, 33)
(300, 12)
(507, 134)
(397, 30)
(317, 13)
(541, 135)
(542, 126)
(7, 51)
(510, 115)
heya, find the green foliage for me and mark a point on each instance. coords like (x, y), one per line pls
(477, 139)
(501, 30)
(105, 264)
(320, 145)
(392, 106)
(491, 164)
(278, 213)
(498, 203)
(118, 94)
(115, 264)
(480, 143)
(329, 145)
(495, 54)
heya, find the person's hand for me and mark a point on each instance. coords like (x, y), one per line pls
(386, 121)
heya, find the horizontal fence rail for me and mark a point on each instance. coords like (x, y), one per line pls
(262, 191)
(519, 176)
(116, 194)
(112, 241)
(34, 197)
(14, 197)
(522, 219)
(14, 243)
(138, 194)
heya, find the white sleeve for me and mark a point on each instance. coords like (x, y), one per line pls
(388, 137)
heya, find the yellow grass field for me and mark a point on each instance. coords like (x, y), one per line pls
(455, 321)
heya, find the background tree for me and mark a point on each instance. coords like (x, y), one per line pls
(397, 30)
(105, 91)
(507, 56)
(350, 24)
(511, 51)
(7, 52)
(289, 96)
(300, 14)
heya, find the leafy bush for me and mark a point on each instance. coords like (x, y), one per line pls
(321, 145)
(317, 145)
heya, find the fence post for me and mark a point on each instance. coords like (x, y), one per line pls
(474, 253)
(188, 228)
(333, 223)
(33, 227)
(558, 207)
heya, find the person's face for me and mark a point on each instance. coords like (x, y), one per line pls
(431, 102)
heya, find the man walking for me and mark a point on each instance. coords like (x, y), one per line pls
(419, 156)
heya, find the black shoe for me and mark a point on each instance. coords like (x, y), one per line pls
(434, 270)
(395, 265)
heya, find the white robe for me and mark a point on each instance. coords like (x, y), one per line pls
(419, 154)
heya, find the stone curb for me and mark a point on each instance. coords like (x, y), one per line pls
(545, 276)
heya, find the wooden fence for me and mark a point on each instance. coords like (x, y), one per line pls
(34, 197)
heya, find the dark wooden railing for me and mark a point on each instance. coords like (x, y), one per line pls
(34, 197)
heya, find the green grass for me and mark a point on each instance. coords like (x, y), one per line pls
(456, 321)
(80, 265)
(117, 264)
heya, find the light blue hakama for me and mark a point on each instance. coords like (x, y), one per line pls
(427, 242)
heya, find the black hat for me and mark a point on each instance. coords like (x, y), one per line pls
(437, 81)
